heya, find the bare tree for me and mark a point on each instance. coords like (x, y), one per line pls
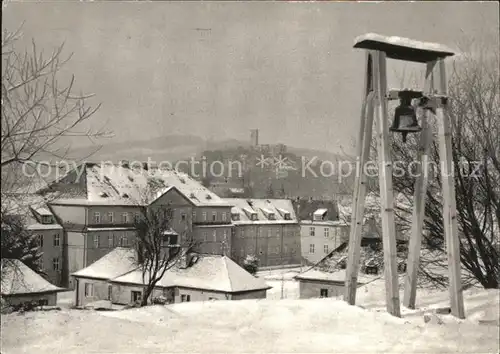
(158, 246)
(39, 107)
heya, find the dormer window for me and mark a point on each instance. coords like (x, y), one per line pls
(271, 216)
(287, 216)
(235, 216)
(254, 217)
(319, 215)
(47, 219)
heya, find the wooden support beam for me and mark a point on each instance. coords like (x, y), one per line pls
(386, 191)
(420, 192)
(449, 201)
(363, 152)
(354, 250)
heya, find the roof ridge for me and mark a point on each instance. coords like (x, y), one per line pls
(224, 259)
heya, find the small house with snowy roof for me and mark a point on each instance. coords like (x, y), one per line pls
(117, 278)
(21, 285)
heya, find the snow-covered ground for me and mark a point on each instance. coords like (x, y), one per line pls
(260, 326)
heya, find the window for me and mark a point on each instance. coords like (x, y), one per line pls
(311, 231)
(223, 216)
(125, 218)
(96, 241)
(323, 293)
(214, 234)
(40, 240)
(269, 233)
(43, 302)
(327, 232)
(136, 296)
(110, 291)
(56, 240)
(225, 235)
(214, 216)
(97, 217)
(110, 240)
(325, 248)
(55, 263)
(183, 216)
(89, 290)
(204, 216)
(47, 219)
(278, 233)
(137, 217)
(185, 298)
(311, 248)
(205, 236)
(278, 249)
(194, 215)
(111, 216)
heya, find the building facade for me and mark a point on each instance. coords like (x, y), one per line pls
(320, 237)
(98, 206)
(321, 230)
(267, 229)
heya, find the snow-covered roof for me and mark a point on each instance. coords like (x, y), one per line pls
(237, 190)
(115, 184)
(324, 222)
(26, 206)
(263, 208)
(320, 212)
(209, 272)
(117, 262)
(338, 276)
(18, 278)
(111, 228)
(403, 48)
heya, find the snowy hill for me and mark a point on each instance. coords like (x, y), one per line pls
(258, 326)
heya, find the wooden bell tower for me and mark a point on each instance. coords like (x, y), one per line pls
(375, 102)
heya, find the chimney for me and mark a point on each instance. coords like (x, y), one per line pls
(185, 260)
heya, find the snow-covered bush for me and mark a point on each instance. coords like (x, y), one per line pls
(251, 264)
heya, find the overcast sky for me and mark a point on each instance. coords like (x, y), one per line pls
(219, 69)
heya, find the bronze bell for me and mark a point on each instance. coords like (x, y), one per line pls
(405, 117)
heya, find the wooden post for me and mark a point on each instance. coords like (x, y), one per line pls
(386, 192)
(449, 202)
(363, 152)
(419, 199)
